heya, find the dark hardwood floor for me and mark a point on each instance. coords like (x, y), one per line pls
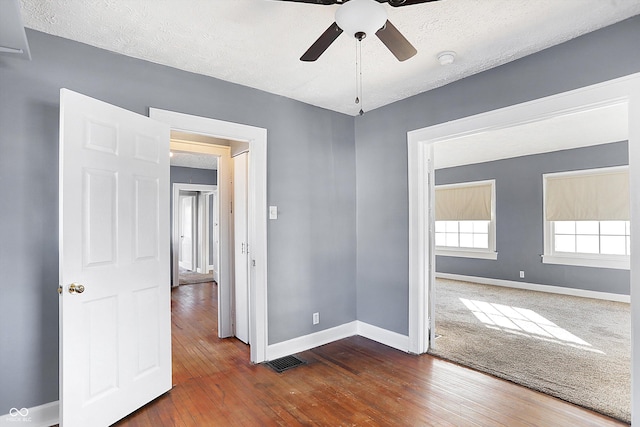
(351, 382)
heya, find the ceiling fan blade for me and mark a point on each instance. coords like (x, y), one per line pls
(324, 2)
(394, 3)
(323, 42)
(395, 42)
(398, 3)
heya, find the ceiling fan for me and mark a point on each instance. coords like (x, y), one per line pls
(360, 18)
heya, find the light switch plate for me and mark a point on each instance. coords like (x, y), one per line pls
(273, 212)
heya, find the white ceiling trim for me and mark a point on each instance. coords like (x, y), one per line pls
(601, 125)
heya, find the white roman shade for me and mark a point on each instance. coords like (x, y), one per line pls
(467, 202)
(593, 196)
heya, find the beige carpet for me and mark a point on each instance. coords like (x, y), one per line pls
(187, 277)
(577, 349)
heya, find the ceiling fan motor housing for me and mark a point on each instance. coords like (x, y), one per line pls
(361, 16)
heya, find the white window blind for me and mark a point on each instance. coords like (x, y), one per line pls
(469, 202)
(592, 196)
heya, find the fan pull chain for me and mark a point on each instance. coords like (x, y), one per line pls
(359, 76)
(357, 68)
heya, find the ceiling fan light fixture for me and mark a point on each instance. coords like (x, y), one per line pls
(361, 16)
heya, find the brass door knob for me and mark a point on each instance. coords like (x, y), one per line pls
(76, 288)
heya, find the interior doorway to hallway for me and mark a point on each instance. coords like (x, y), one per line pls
(207, 232)
(254, 140)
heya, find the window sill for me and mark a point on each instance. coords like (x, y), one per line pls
(461, 253)
(619, 264)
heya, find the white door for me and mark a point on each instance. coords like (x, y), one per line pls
(115, 328)
(187, 231)
(241, 249)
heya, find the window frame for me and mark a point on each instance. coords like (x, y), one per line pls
(550, 256)
(479, 253)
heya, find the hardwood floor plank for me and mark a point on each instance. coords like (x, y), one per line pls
(351, 382)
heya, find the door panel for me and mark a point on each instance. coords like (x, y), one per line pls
(147, 337)
(115, 335)
(101, 225)
(101, 317)
(147, 220)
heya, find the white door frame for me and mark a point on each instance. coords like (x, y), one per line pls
(175, 225)
(257, 139)
(204, 234)
(194, 229)
(212, 233)
(625, 90)
(201, 232)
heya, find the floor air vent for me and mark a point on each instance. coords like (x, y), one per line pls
(284, 363)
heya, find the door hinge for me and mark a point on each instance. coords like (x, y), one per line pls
(253, 262)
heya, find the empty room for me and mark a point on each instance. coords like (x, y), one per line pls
(530, 287)
(341, 108)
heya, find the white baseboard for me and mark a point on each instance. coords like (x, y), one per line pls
(307, 342)
(39, 416)
(536, 287)
(384, 336)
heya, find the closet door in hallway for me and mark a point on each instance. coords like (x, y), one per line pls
(241, 247)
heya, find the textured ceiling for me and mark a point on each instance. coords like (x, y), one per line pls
(193, 160)
(257, 43)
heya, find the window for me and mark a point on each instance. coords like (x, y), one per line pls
(463, 234)
(587, 218)
(592, 237)
(465, 220)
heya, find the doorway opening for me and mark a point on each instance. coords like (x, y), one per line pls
(562, 329)
(421, 198)
(196, 134)
(195, 232)
(196, 219)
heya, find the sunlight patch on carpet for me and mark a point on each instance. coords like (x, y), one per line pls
(524, 322)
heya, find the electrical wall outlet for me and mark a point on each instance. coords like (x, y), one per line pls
(316, 318)
(521, 274)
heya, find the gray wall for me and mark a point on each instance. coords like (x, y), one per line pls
(381, 150)
(311, 177)
(519, 219)
(179, 174)
(183, 175)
